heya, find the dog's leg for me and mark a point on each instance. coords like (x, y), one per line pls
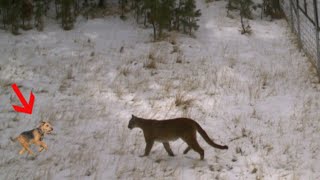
(44, 145)
(41, 148)
(26, 146)
(22, 151)
(41, 145)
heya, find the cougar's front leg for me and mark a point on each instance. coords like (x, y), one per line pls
(149, 144)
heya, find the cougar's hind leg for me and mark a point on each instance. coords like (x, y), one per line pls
(193, 144)
(187, 150)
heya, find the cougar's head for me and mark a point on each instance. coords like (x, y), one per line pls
(132, 122)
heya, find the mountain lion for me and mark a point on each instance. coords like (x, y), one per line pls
(170, 130)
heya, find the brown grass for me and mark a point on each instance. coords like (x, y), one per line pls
(182, 101)
(151, 62)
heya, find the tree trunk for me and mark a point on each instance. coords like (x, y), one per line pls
(56, 3)
(101, 3)
(242, 25)
(276, 9)
(154, 31)
(276, 5)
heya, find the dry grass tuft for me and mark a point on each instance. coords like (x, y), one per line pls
(175, 49)
(167, 86)
(232, 62)
(179, 59)
(125, 71)
(183, 101)
(151, 62)
(118, 91)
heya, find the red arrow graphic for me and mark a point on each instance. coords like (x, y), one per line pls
(27, 107)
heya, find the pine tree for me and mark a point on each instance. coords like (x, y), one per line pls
(5, 12)
(165, 15)
(14, 16)
(168, 15)
(39, 14)
(232, 4)
(87, 7)
(138, 7)
(150, 12)
(245, 11)
(122, 4)
(67, 18)
(26, 14)
(57, 5)
(160, 15)
(177, 14)
(189, 16)
(101, 4)
(272, 8)
(245, 8)
(243, 5)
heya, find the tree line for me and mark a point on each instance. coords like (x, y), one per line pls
(162, 15)
(270, 8)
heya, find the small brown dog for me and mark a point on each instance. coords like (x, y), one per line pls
(34, 136)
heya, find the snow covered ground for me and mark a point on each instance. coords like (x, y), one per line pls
(258, 94)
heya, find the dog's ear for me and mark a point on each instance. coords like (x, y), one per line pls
(42, 122)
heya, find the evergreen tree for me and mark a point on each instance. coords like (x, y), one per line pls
(39, 14)
(243, 5)
(272, 8)
(87, 7)
(138, 7)
(160, 15)
(168, 15)
(177, 14)
(245, 8)
(245, 11)
(14, 16)
(57, 5)
(26, 14)
(5, 12)
(101, 4)
(67, 18)
(189, 16)
(122, 4)
(232, 4)
(76, 8)
(165, 15)
(151, 9)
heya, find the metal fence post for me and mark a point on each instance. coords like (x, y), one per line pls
(291, 16)
(316, 17)
(298, 23)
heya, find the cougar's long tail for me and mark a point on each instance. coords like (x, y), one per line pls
(207, 138)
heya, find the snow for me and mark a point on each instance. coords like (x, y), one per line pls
(256, 93)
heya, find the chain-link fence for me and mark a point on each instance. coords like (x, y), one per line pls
(303, 16)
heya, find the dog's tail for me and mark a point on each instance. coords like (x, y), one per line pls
(13, 139)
